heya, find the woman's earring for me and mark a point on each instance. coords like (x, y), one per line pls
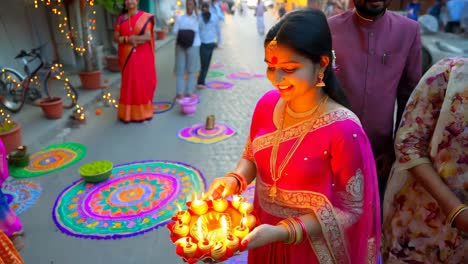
(320, 82)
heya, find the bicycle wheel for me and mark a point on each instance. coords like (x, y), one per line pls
(11, 90)
(60, 87)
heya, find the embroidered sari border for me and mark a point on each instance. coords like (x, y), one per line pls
(332, 232)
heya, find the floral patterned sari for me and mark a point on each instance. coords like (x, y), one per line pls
(331, 174)
(434, 130)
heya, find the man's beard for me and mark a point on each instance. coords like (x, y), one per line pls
(206, 17)
(370, 12)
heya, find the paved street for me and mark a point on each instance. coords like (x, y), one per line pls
(106, 138)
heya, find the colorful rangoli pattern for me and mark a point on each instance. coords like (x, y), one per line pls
(162, 106)
(214, 74)
(216, 65)
(54, 157)
(219, 85)
(137, 198)
(199, 134)
(244, 76)
(21, 194)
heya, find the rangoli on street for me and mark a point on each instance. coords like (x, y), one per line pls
(21, 194)
(137, 198)
(199, 134)
(162, 106)
(53, 158)
(214, 74)
(219, 85)
(244, 76)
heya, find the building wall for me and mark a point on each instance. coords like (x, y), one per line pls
(22, 27)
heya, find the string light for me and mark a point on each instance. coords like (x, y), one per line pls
(79, 114)
(63, 23)
(6, 123)
(109, 99)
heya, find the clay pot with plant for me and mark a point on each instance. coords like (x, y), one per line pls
(10, 132)
(52, 107)
(113, 8)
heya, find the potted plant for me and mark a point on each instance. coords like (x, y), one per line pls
(90, 76)
(10, 132)
(52, 107)
(114, 8)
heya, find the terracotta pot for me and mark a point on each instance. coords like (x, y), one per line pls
(160, 34)
(12, 138)
(113, 63)
(52, 107)
(91, 80)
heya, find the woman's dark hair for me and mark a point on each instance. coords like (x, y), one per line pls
(306, 31)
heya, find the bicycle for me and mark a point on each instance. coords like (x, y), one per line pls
(15, 88)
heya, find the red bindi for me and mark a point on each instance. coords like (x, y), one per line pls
(274, 60)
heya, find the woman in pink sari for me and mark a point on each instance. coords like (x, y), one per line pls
(9, 222)
(316, 191)
(134, 33)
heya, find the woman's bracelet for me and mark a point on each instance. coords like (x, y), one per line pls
(454, 213)
(241, 181)
(296, 230)
(452, 221)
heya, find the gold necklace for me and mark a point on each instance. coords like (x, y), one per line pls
(297, 115)
(363, 18)
(274, 152)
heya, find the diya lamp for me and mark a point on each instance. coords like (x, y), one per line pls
(183, 216)
(237, 201)
(189, 248)
(232, 242)
(205, 246)
(181, 229)
(249, 221)
(241, 230)
(219, 250)
(246, 208)
(220, 205)
(199, 207)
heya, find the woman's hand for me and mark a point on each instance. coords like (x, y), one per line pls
(132, 40)
(461, 221)
(223, 187)
(264, 234)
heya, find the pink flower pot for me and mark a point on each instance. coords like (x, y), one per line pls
(188, 105)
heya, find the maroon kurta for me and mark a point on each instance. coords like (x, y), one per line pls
(379, 62)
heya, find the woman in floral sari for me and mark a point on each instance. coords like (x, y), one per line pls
(134, 33)
(316, 192)
(425, 205)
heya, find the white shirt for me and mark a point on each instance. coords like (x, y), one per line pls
(188, 22)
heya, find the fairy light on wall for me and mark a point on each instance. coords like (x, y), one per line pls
(70, 34)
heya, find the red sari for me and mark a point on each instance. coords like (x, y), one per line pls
(138, 69)
(331, 175)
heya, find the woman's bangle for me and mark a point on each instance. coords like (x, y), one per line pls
(304, 230)
(296, 233)
(452, 221)
(241, 181)
(453, 213)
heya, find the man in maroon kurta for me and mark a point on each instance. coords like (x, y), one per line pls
(378, 55)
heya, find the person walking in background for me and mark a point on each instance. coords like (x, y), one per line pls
(378, 60)
(282, 9)
(259, 12)
(215, 10)
(187, 53)
(10, 224)
(316, 193)
(412, 10)
(426, 202)
(454, 13)
(208, 30)
(134, 34)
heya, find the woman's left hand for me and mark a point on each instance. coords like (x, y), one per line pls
(132, 40)
(264, 234)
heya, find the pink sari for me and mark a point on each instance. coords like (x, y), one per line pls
(332, 175)
(138, 69)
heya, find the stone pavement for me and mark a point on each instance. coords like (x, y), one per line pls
(107, 138)
(37, 130)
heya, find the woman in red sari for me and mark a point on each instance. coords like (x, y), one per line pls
(316, 193)
(134, 34)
